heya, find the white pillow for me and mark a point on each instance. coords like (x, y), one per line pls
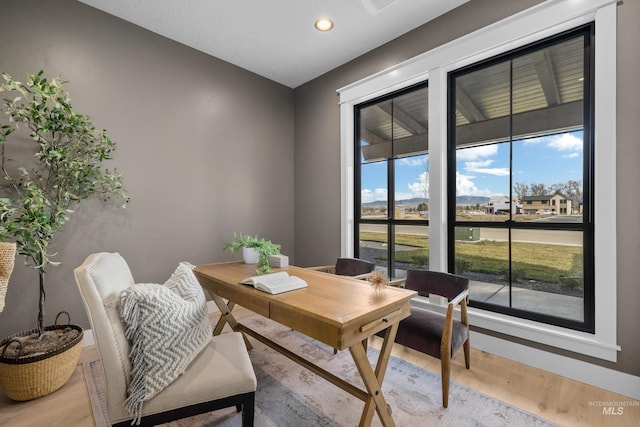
(167, 326)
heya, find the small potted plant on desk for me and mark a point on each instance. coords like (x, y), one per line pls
(254, 250)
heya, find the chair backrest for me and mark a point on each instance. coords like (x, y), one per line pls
(353, 266)
(101, 279)
(427, 282)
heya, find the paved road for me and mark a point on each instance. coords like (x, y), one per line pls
(555, 237)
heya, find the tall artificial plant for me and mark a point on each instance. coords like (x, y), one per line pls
(40, 193)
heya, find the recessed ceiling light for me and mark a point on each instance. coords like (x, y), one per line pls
(323, 24)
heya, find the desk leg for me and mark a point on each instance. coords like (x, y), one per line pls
(373, 380)
(227, 317)
(226, 308)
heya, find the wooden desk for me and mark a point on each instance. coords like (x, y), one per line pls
(339, 311)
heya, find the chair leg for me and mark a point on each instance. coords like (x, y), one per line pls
(247, 412)
(444, 368)
(467, 353)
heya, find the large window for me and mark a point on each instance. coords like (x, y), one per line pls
(510, 153)
(520, 171)
(392, 206)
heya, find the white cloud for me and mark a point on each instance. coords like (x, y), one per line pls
(481, 167)
(476, 165)
(571, 155)
(466, 187)
(420, 188)
(565, 142)
(478, 152)
(381, 193)
(491, 171)
(367, 196)
(535, 140)
(414, 161)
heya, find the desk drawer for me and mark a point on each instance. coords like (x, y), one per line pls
(336, 334)
(367, 326)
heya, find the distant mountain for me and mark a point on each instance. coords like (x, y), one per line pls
(414, 202)
(472, 200)
(409, 203)
(376, 204)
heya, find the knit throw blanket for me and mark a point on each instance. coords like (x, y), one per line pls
(167, 327)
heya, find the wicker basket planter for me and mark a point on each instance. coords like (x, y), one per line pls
(7, 259)
(29, 377)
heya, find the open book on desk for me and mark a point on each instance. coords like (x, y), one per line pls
(275, 283)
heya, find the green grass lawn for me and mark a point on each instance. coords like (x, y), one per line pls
(533, 261)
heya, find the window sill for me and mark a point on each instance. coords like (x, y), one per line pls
(561, 338)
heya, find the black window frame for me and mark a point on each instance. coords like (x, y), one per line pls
(587, 225)
(390, 222)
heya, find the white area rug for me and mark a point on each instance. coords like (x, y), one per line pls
(291, 396)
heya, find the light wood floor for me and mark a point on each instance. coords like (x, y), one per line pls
(557, 399)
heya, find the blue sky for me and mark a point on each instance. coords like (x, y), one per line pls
(484, 170)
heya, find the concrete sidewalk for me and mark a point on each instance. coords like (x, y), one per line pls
(553, 304)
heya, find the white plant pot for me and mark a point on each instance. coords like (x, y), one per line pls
(250, 255)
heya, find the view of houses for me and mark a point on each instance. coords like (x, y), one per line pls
(547, 204)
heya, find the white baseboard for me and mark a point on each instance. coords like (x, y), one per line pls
(87, 338)
(598, 376)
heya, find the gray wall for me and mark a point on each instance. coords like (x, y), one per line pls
(205, 148)
(184, 121)
(317, 154)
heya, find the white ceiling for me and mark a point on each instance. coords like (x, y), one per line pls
(276, 38)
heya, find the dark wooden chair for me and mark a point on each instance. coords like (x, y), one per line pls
(439, 335)
(353, 267)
